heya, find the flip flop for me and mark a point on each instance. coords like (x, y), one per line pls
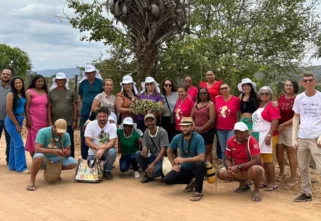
(263, 185)
(242, 189)
(291, 185)
(31, 187)
(256, 197)
(271, 188)
(279, 178)
(25, 172)
(191, 186)
(196, 197)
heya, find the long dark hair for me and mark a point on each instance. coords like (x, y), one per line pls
(14, 91)
(295, 86)
(173, 86)
(198, 94)
(33, 82)
(254, 98)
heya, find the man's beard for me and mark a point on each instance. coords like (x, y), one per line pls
(186, 133)
(102, 121)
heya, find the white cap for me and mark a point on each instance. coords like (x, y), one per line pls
(90, 68)
(246, 81)
(61, 75)
(127, 79)
(241, 126)
(128, 121)
(150, 80)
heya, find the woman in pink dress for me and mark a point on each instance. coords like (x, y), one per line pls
(36, 110)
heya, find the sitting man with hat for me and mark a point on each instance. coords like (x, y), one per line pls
(243, 161)
(129, 139)
(189, 167)
(155, 142)
(52, 143)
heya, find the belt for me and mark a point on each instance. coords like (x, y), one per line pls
(19, 114)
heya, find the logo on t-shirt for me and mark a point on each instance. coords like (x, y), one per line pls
(225, 112)
(103, 137)
(256, 146)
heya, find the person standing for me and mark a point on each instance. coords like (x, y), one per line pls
(36, 110)
(307, 112)
(6, 76)
(63, 104)
(170, 97)
(15, 106)
(188, 168)
(100, 137)
(191, 90)
(89, 87)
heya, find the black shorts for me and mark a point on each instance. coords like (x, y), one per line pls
(208, 136)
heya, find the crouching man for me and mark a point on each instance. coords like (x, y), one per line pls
(244, 151)
(100, 137)
(52, 143)
(189, 167)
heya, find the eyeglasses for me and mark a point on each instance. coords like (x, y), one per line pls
(308, 80)
(149, 84)
(265, 94)
(167, 85)
(203, 93)
(223, 88)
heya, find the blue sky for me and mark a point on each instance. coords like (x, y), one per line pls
(31, 26)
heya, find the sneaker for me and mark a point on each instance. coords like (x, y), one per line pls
(136, 174)
(303, 198)
(126, 172)
(146, 179)
(108, 175)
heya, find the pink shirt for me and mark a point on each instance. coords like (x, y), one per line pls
(226, 112)
(182, 109)
(271, 113)
(192, 92)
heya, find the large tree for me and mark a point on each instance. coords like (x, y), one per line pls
(14, 58)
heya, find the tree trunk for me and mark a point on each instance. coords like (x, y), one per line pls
(146, 59)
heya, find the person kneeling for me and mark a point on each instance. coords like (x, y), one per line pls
(189, 167)
(52, 143)
(244, 151)
(100, 137)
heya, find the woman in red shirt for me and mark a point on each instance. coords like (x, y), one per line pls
(183, 107)
(203, 115)
(265, 123)
(226, 107)
(285, 102)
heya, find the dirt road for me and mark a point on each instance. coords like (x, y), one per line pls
(124, 198)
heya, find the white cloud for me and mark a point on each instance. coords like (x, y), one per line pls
(50, 43)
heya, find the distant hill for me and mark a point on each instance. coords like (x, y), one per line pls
(70, 72)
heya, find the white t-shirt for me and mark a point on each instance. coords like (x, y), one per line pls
(309, 109)
(100, 135)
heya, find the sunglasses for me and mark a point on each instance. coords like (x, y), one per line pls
(125, 125)
(149, 84)
(167, 85)
(308, 80)
(223, 88)
(203, 93)
(127, 84)
(264, 94)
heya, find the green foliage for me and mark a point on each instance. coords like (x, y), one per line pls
(14, 58)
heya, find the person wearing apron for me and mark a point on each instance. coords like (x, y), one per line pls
(265, 122)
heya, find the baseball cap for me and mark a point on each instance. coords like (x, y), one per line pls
(150, 116)
(61, 126)
(241, 126)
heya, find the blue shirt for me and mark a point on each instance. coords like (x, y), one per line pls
(20, 106)
(197, 146)
(88, 92)
(44, 137)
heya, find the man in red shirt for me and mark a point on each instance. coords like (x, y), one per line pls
(191, 90)
(243, 161)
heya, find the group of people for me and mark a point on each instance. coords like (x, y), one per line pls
(246, 126)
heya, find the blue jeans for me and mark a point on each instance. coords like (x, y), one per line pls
(17, 157)
(109, 157)
(223, 136)
(144, 162)
(126, 160)
(70, 131)
(7, 136)
(66, 161)
(83, 146)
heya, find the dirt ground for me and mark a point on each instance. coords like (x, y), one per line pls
(124, 198)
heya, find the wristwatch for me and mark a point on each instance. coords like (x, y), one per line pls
(239, 166)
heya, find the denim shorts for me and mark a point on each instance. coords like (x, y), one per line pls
(66, 161)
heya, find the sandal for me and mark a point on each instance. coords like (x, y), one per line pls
(263, 185)
(31, 187)
(242, 189)
(279, 178)
(196, 197)
(191, 186)
(256, 197)
(271, 188)
(26, 171)
(291, 185)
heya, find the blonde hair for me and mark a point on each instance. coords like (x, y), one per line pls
(108, 79)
